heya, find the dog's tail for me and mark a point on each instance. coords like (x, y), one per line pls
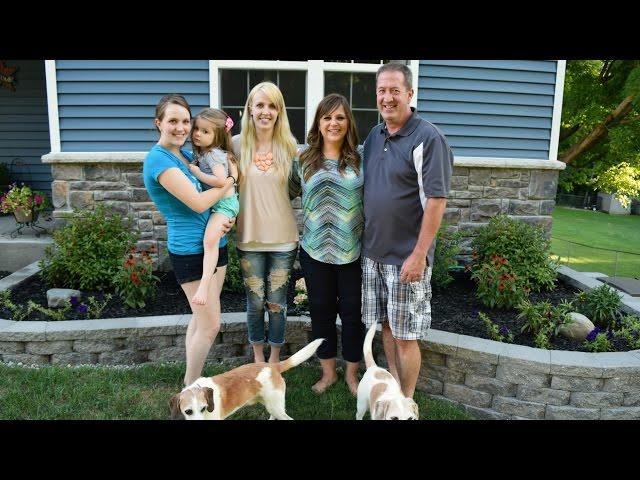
(366, 348)
(301, 355)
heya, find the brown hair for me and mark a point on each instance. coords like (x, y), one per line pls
(168, 99)
(221, 137)
(397, 67)
(311, 160)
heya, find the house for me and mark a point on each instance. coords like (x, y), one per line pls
(81, 128)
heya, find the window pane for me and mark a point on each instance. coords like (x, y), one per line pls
(337, 82)
(364, 90)
(233, 85)
(296, 121)
(293, 86)
(258, 76)
(365, 121)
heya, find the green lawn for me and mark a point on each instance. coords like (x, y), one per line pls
(143, 392)
(597, 230)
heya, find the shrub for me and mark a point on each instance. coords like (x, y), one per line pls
(600, 305)
(598, 341)
(301, 300)
(497, 285)
(544, 320)
(499, 334)
(629, 331)
(135, 281)
(447, 247)
(524, 246)
(88, 252)
(233, 282)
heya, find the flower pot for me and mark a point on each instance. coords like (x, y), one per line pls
(25, 216)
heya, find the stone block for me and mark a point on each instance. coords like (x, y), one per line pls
(225, 350)
(513, 406)
(620, 413)
(81, 200)
(543, 395)
(429, 385)
(543, 184)
(514, 374)
(622, 384)
(67, 172)
(479, 177)
(102, 173)
(596, 399)
(443, 374)
(576, 384)
(47, 348)
(73, 358)
(554, 412)
(466, 395)
(93, 346)
(122, 357)
(59, 193)
(25, 358)
(547, 206)
(236, 337)
(12, 347)
(432, 358)
(490, 385)
(528, 207)
(168, 354)
(500, 192)
(467, 366)
(485, 413)
(631, 399)
(149, 343)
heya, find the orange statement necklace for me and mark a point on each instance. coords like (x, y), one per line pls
(263, 160)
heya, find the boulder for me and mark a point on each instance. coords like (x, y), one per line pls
(57, 296)
(579, 327)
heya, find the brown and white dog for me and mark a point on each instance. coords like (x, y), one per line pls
(379, 392)
(217, 397)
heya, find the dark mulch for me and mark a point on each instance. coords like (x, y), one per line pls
(4, 274)
(454, 308)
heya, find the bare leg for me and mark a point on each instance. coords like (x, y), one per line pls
(409, 359)
(212, 236)
(258, 352)
(329, 375)
(351, 376)
(204, 325)
(274, 356)
(389, 344)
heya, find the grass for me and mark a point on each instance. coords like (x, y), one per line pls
(143, 392)
(596, 231)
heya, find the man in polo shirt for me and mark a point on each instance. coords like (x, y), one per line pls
(407, 176)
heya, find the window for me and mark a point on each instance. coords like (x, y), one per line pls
(235, 86)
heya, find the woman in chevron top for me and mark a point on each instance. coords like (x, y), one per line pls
(331, 181)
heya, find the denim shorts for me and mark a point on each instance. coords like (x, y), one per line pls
(188, 268)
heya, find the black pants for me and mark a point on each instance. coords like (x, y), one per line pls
(332, 290)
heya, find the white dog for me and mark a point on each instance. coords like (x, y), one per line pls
(217, 397)
(379, 392)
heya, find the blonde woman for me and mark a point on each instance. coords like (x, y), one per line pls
(266, 228)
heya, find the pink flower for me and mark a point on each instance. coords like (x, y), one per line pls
(39, 199)
(228, 125)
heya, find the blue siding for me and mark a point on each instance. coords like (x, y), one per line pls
(109, 105)
(490, 108)
(24, 125)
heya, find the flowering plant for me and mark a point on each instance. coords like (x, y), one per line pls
(23, 198)
(301, 299)
(135, 282)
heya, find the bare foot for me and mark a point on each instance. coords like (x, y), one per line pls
(323, 384)
(200, 298)
(352, 383)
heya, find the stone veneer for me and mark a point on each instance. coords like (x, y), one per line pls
(480, 189)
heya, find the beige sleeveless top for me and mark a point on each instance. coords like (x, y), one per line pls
(266, 215)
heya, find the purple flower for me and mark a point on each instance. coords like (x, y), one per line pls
(74, 302)
(82, 308)
(609, 334)
(593, 334)
(503, 330)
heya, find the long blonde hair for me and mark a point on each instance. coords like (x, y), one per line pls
(284, 146)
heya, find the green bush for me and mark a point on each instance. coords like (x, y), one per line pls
(497, 285)
(233, 282)
(447, 247)
(88, 252)
(135, 281)
(544, 320)
(524, 246)
(600, 305)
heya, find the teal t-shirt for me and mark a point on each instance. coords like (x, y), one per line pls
(185, 228)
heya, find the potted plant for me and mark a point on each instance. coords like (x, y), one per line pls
(25, 203)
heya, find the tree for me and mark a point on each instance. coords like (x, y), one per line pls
(600, 130)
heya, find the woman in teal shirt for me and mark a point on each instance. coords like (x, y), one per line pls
(185, 207)
(331, 182)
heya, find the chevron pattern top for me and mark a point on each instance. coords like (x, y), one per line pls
(333, 215)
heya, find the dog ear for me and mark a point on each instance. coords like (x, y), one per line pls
(174, 405)
(379, 410)
(208, 394)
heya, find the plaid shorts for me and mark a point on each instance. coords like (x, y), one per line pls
(406, 306)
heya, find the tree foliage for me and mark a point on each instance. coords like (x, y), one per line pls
(600, 131)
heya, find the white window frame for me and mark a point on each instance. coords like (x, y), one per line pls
(315, 77)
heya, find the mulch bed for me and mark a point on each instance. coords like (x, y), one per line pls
(454, 308)
(4, 274)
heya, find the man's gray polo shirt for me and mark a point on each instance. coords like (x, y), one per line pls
(401, 171)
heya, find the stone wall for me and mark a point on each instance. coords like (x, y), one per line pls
(481, 188)
(491, 380)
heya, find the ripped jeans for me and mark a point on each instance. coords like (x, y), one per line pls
(266, 279)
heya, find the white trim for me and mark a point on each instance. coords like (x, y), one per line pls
(557, 110)
(518, 163)
(350, 67)
(315, 93)
(214, 87)
(261, 65)
(52, 104)
(417, 163)
(414, 65)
